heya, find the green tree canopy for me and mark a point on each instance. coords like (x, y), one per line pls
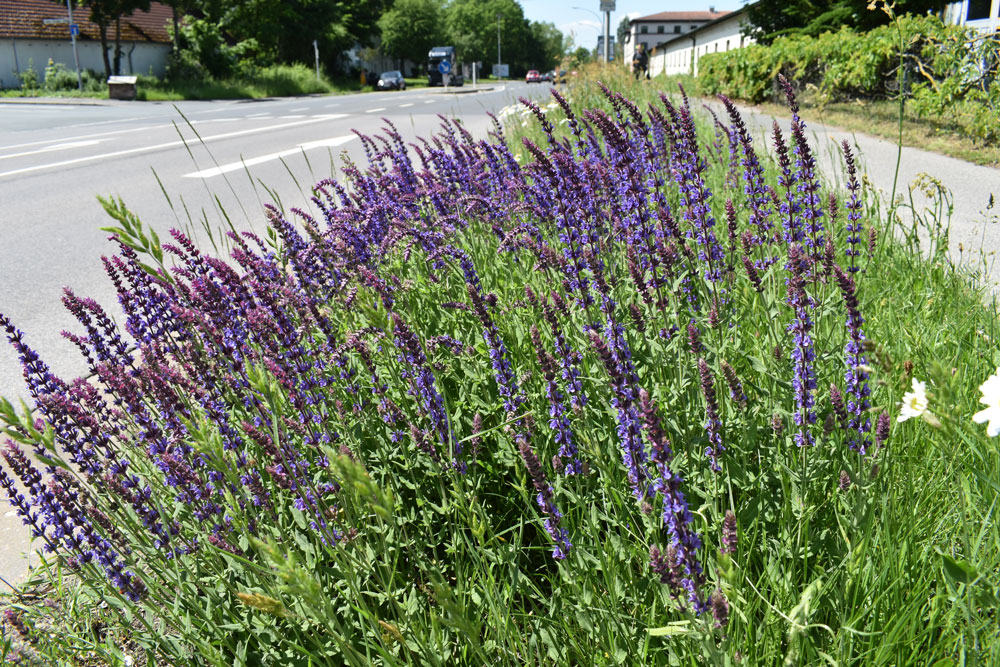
(471, 26)
(769, 19)
(411, 28)
(547, 46)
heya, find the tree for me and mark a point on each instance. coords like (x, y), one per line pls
(284, 30)
(581, 57)
(547, 45)
(105, 12)
(411, 28)
(474, 22)
(769, 19)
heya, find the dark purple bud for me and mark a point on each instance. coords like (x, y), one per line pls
(730, 538)
(882, 428)
(720, 608)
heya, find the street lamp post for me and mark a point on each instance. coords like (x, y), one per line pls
(499, 62)
(605, 23)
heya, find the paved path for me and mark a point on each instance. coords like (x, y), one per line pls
(973, 227)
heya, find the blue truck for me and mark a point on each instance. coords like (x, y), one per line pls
(435, 75)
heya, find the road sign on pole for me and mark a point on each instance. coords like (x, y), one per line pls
(607, 5)
(444, 67)
(74, 29)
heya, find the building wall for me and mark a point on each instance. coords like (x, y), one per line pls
(957, 13)
(681, 56)
(653, 37)
(137, 57)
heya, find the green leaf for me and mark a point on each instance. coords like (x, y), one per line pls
(958, 571)
(675, 629)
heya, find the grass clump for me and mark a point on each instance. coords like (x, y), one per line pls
(625, 396)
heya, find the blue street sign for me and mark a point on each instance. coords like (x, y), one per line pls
(74, 29)
(444, 67)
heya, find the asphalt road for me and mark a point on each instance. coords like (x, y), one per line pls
(56, 158)
(174, 165)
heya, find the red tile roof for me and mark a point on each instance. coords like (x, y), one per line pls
(26, 19)
(680, 16)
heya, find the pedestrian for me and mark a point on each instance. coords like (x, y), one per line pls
(640, 62)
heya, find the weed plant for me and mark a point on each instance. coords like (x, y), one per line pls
(622, 394)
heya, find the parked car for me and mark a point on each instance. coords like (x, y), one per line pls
(391, 80)
(560, 76)
(549, 76)
(533, 76)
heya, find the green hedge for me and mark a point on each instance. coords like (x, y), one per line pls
(951, 72)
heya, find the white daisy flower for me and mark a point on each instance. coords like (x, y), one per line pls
(914, 402)
(991, 399)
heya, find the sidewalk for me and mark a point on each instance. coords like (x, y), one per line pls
(973, 226)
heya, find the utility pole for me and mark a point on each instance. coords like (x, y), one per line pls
(498, 45)
(72, 35)
(607, 6)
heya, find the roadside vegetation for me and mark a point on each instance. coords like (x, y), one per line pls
(948, 78)
(614, 386)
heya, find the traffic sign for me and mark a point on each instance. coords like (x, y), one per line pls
(444, 67)
(74, 29)
(607, 5)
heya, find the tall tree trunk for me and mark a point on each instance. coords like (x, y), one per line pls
(177, 28)
(103, 27)
(118, 45)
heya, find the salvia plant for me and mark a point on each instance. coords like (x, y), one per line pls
(489, 402)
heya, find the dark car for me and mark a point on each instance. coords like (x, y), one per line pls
(392, 80)
(533, 77)
(549, 76)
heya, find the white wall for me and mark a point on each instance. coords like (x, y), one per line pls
(681, 56)
(652, 37)
(137, 57)
(956, 13)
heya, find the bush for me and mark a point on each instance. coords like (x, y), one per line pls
(59, 78)
(947, 68)
(488, 407)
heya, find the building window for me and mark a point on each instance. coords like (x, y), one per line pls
(694, 27)
(677, 29)
(660, 29)
(644, 29)
(727, 45)
(716, 47)
(978, 9)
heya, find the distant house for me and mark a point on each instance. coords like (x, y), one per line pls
(680, 55)
(983, 15)
(656, 28)
(34, 31)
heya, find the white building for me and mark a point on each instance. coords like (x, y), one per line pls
(657, 28)
(34, 31)
(983, 15)
(680, 55)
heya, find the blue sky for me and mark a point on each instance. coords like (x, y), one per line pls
(585, 26)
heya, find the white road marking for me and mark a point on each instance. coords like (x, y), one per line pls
(403, 106)
(53, 147)
(105, 122)
(329, 106)
(297, 109)
(255, 115)
(291, 117)
(428, 101)
(375, 110)
(194, 141)
(85, 136)
(233, 166)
